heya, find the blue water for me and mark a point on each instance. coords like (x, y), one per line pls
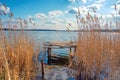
(53, 36)
(50, 36)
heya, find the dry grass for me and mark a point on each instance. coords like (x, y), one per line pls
(98, 56)
(18, 52)
(18, 56)
(98, 53)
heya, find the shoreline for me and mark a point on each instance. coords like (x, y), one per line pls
(95, 30)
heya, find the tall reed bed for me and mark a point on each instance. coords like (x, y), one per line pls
(18, 56)
(98, 56)
(18, 52)
(98, 53)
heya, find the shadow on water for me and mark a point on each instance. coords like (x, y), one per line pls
(55, 59)
(58, 60)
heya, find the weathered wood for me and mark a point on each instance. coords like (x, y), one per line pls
(49, 54)
(60, 44)
(42, 67)
(56, 45)
(75, 49)
(49, 51)
(70, 49)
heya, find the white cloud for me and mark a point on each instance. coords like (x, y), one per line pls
(73, 10)
(40, 16)
(55, 13)
(51, 22)
(72, 1)
(117, 5)
(51, 14)
(95, 6)
(57, 21)
(109, 16)
(100, 1)
(4, 9)
(118, 2)
(54, 20)
(84, 1)
(113, 7)
(54, 24)
(77, 1)
(83, 10)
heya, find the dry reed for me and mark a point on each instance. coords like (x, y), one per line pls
(18, 56)
(18, 53)
(98, 53)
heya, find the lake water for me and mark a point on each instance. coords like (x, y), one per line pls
(50, 36)
(53, 36)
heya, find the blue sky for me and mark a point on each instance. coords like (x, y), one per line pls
(30, 7)
(55, 14)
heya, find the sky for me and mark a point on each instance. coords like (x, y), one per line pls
(55, 14)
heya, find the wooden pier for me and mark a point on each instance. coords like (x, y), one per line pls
(52, 58)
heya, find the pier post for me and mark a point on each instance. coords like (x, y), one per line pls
(70, 49)
(75, 49)
(49, 54)
(42, 67)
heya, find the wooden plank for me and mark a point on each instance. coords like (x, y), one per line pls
(57, 45)
(60, 44)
